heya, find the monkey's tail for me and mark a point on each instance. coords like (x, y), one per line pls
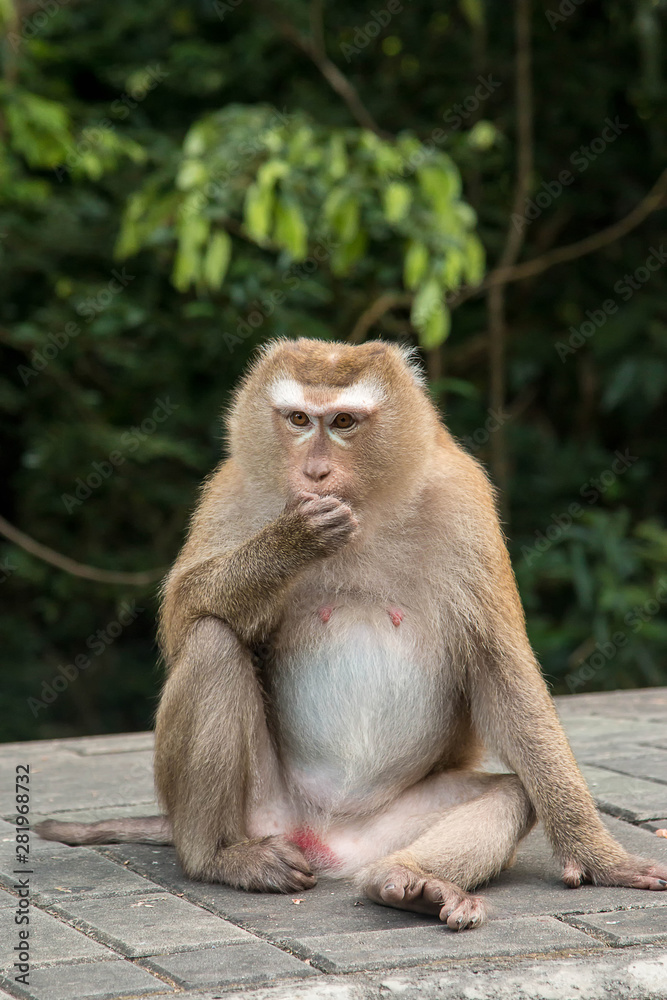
(140, 830)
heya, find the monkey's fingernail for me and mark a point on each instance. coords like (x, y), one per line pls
(661, 881)
(390, 885)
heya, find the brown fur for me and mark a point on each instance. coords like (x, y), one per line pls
(399, 514)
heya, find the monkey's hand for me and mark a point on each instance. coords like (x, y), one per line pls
(329, 521)
(245, 587)
(631, 873)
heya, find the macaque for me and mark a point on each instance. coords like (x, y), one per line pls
(344, 638)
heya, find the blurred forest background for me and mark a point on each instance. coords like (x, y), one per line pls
(181, 181)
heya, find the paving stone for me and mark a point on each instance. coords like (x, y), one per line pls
(611, 975)
(655, 824)
(413, 946)
(331, 988)
(50, 941)
(333, 905)
(95, 813)
(614, 974)
(619, 738)
(251, 962)
(66, 780)
(532, 886)
(83, 745)
(89, 746)
(597, 732)
(620, 795)
(63, 871)
(626, 927)
(90, 980)
(149, 924)
(648, 764)
(642, 703)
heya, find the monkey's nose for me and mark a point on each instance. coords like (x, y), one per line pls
(317, 471)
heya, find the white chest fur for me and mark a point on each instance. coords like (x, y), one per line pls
(359, 705)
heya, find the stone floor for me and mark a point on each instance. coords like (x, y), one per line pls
(113, 922)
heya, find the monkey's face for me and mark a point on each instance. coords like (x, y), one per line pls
(332, 419)
(330, 440)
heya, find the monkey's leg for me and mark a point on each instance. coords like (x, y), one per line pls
(466, 846)
(215, 765)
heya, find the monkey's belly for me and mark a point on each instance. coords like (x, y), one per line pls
(359, 707)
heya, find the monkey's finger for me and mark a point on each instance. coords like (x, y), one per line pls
(321, 505)
(333, 520)
(297, 499)
(303, 881)
(342, 513)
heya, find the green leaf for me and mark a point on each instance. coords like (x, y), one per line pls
(415, 264)
(186, 269)
(426, 301)
(345, 257)
(39, 129)
(482, 135)
(441, 185)
(271, 171)
(397, 199)
(342, 212)
(338, 162)
(466, 214)
(193, 232)
(473, 11)
(474, 261)
(435, 325)
(192, 174)
(8, 15)
(217, 258)
(459, 387)
(258, 213)
(290, 230)
(452, 269)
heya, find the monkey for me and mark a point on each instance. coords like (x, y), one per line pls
(344, 641)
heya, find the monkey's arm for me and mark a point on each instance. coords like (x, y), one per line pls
(245, 587)
(515, 714)
(513, 711)
(511, 707)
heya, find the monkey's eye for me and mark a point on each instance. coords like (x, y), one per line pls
(299, 419)
(343, 421)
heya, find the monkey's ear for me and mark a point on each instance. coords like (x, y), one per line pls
(412, 360)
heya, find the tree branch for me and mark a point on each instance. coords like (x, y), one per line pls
(513, 242)
(561, 255)
(375, 311)
(70, 565)
(315, 49)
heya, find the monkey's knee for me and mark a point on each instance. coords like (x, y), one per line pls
(522, 811)
(211, 641)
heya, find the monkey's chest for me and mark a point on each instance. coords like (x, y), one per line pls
(358, 705)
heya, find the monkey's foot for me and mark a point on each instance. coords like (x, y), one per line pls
(633, 873)
(404, 889)
(265, 864)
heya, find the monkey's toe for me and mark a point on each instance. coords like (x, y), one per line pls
(642, 875)
(407, 890)
(469, 913)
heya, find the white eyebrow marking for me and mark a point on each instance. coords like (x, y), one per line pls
(287, 395)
